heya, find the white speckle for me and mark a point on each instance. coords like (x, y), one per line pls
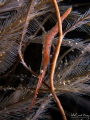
(41, 71)
(60, 82)
(42, 106)
(64, 83)
(0, 54)
(35, 2)
(58, 68)
(50, 95)
(72, 50)
(82, 51)
(68, 81)
(20, 21)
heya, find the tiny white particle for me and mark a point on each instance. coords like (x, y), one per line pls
(82, 51)
(68, 81)
(60, 82)
(50, 95)
(58, 68)
(41, 71)
(42, 106)
(64, 83)
(20, 21)
(0, 54)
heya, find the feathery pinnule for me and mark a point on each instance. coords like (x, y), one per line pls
(72, 73)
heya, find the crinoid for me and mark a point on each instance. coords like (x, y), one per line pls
(65, 60)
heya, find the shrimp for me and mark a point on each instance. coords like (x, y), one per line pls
(47, 42)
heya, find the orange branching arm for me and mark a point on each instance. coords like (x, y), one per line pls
(57, 49)
(47, 41)
(26, 22)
